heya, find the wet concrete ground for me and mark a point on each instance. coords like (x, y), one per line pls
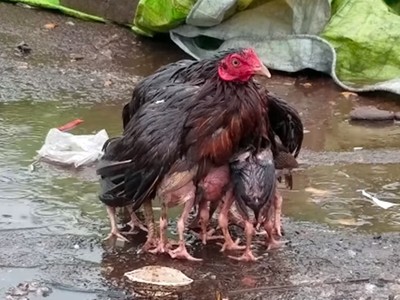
(51, 223)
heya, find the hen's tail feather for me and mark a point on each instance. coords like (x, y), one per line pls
(112, 191)
(139, 185)
(106, 168)
(112, 181)
(286, 123)
(125, 115)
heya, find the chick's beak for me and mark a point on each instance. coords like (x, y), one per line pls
(263, 71)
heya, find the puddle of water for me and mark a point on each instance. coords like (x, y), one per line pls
(331, 194)
(325, 115)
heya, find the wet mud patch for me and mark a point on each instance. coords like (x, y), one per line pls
(318, 263)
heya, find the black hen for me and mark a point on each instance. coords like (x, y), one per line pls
(184, 131)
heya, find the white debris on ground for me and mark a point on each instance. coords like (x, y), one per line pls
(69, 149)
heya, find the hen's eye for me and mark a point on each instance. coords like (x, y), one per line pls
(235, 62)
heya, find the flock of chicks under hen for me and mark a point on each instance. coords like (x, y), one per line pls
(206, 135)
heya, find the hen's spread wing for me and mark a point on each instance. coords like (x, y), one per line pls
(138, 161)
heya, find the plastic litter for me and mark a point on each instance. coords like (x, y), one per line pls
(380, 203)
(68, 149)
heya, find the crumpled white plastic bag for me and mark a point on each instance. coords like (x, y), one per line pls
(68, 149)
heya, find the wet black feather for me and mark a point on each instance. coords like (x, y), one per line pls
(284, 120)
(182, 121)
(253, 179)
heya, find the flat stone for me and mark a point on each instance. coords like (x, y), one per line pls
(371, 113)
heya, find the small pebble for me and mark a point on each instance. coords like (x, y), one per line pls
(76, 246)
(119, 242)
(18, 292)
(43, 291)
(33, 286)
(352, 253)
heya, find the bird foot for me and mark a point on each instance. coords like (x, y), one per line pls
(181, 253)
(278, 230)
(274, 244)
(208, 236)
(115, 234)
(134, 225)
(260, 232)
(150, 243)
(163, 247)
(247, 256)
(231, 245)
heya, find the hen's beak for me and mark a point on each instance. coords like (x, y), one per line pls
(263, 71)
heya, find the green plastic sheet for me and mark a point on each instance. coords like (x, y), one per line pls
(160, 15)
(356, 42)
(365, 35)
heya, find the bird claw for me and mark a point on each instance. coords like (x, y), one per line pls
(163, 247)
(181, 253)
(208, 236)
(231, 245)
(152, 243)
(247, 256)
(134, 225)
(278, 230)
(275, 244)
(115, 235)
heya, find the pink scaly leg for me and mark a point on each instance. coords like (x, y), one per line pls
(134, 222)
(248, 254)
(223, 222)
(151, 241)
(163, 244)
(277, 214)
(181, 252)
(114, 228)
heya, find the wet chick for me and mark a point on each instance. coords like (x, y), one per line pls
(209, 193)
(109, 183)
(285, 162)
(254, 188)
(177, 188)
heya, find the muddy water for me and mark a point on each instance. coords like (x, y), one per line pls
(51, 221)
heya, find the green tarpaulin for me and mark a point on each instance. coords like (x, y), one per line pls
(355, 41)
